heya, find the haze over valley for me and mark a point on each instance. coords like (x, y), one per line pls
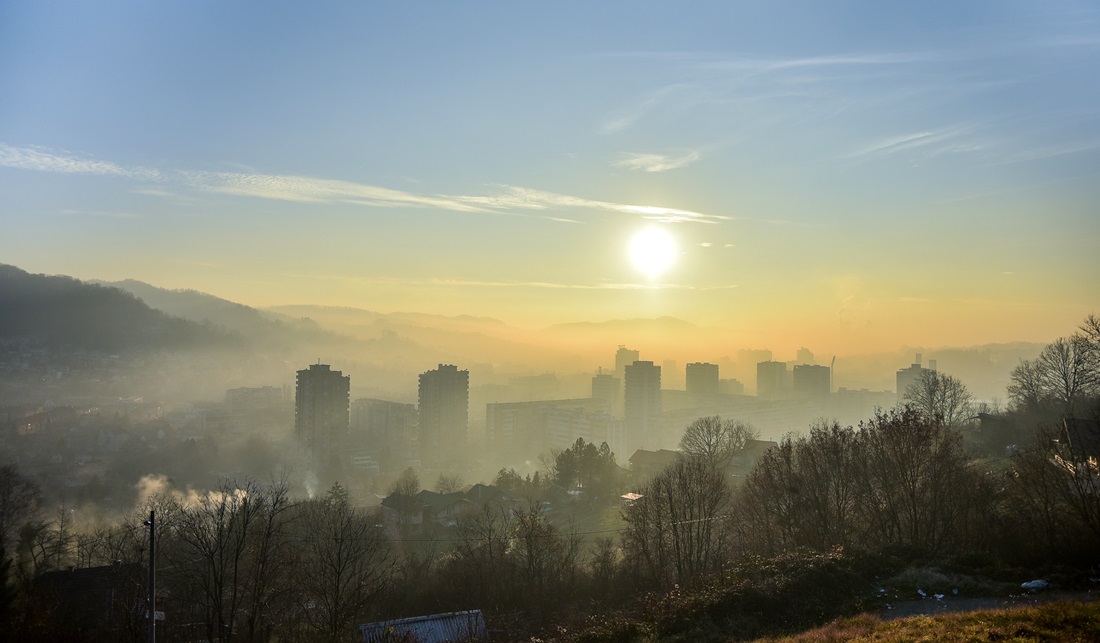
(576, 322)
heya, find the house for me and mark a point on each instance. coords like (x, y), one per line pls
(105, 603)
(425, 510)
(743, 462)
(645, 464)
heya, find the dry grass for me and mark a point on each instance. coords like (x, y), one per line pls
(1059, 621)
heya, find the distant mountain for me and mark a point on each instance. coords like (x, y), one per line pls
(65, 312)
(254, 325)
(430, 339)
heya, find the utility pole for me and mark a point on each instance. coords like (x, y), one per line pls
(152, 609)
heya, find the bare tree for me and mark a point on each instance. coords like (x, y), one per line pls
(917, 487)
(545, 559)
(676, 533)
(828, 461)
(941, 398)
(478, 567)
(345, 563)
(449, 483)
(1026, 389)
(266, 578)
(716, 441)
(209, 555)
(404, 492)
(1068, 371)
(1090, 330)
(19, 498)
(768, 512)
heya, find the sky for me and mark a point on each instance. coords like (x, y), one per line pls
(841, 175)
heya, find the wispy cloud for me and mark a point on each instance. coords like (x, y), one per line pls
(932, 142)
(1052, 151)
(304, 189)
(530, 199)
(507, 200)
(656, 162)
(42, 160)
(631, 114)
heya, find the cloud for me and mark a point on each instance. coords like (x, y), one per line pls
(627, 117)
(656, 162)
(1053, 151)
(508, 200)
(302, 189)
(34, 158)
(530, 199)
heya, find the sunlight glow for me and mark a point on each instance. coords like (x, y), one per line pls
(652, 251)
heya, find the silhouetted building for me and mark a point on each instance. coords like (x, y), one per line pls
(245, 399)
(804, 356)
(731, 387)
(385, 430)
(526, 429)
(908, 376)
(92, 603)
(771, 380)
(747, 359)
(321, 413)
(701, 378)
(812, 381)
(443, 410)
(642, 403)
(608, 388)
(671, 375)
(536, 387)
(624, 357)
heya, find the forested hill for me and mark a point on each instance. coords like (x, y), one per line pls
(58, 311)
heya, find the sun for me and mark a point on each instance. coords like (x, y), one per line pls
(652, 251)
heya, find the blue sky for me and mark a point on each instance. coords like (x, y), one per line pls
(883, 173)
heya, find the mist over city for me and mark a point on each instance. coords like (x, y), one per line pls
(469, 322)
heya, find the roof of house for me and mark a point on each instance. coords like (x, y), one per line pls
(659, 458)
(452, 626)
(483, 493)
(91, 592)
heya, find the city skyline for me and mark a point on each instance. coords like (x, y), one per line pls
(847, 176)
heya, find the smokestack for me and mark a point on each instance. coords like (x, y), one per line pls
(919, 359)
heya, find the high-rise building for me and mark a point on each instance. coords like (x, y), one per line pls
(643, 404)
(812, 382)
(386, 430)
(747, 359)
(731, 386)
(443, 409)
(608, 388)
(908, 376)
(671, 375)
(624, 357)
(321, 413)
(804, 356)
(771, 380)
(702, 378)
